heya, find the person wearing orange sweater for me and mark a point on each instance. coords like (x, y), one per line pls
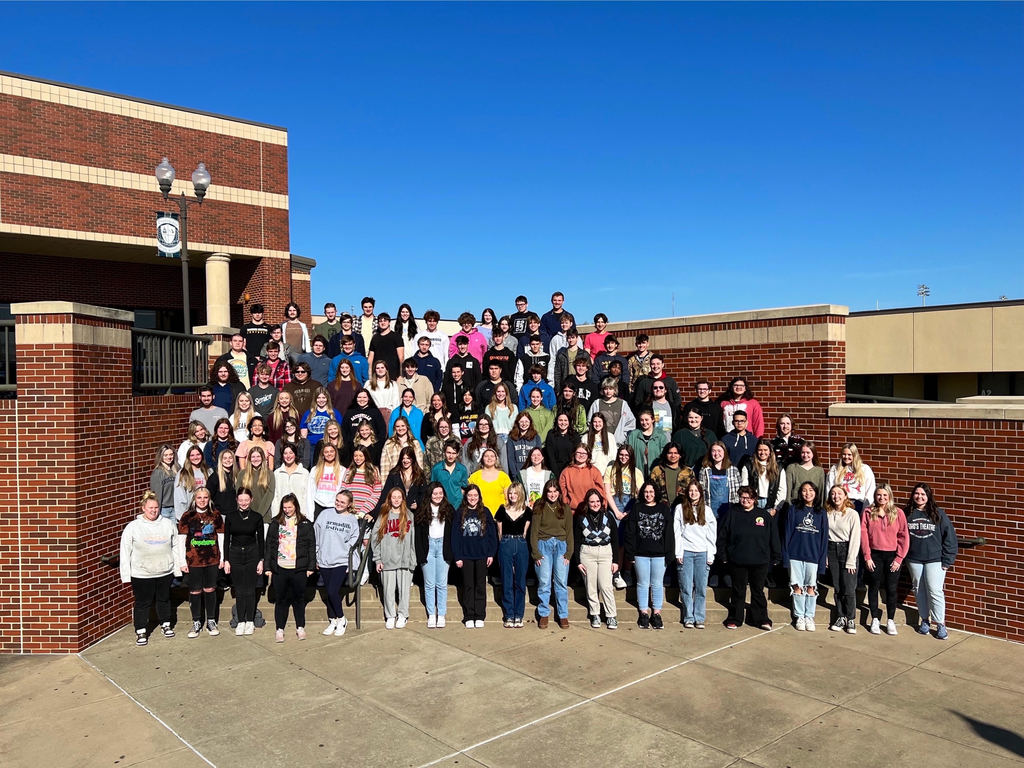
(579, 477)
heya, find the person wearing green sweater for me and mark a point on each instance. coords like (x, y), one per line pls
(647, 442)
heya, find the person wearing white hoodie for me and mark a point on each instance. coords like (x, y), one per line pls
(696, 532)
(151, 553)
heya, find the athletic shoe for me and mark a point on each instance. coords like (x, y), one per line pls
(613, 623)
(700, 625)
(618, 582)
(140, 637)
(839, 625)
(851, 627)
(389, 623)
(508, 623)
(656, 622)
(801, 624)
(644, 620)
(300, 633)
(211, 627)
(340, 627)
(166, 629)
(890, 627)
(809, 624)
(470, 624)
(875, 628)
(940, 632)
(331, 626)
(518, 623)
(924, 629)
(250, 627)
(479, 623)
(239, 629)
(279, 636)
(197, 627)
(731, 625)
(688, 625)
(401, 621)
(767, 626)
(431, 622)
(440, 622)
(595, 622)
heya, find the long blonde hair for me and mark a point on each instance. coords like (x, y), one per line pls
(832, 507)
(318, 472)
(278, 416)
(890, 510)
(857, 466)
(253, 478)
(237, 414)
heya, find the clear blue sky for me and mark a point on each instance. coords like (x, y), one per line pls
(738, 155)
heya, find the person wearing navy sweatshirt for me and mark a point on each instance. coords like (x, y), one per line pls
(474, 540)
(748, 541)
(805, 554)
(427, 365)
(933, 550)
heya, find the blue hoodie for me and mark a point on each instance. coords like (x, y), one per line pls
(545, 389)
(806, 537)
(360, 367)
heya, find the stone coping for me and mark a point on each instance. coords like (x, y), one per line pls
(213, 330)
(992, 400)
(994, 411)
(776, 313)
(71, 308)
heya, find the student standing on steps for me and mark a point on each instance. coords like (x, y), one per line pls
(433, 552)
(244, 550)
(337, 532)
(203, 530)
(394, 553)
(291, 556)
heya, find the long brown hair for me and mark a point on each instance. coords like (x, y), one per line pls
(482, 513)
(693, 516)
(771, 467)
(385, 512)
(543, 503)
(617, 467)
(445, 510)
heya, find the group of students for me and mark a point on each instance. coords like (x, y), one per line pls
(612, 474)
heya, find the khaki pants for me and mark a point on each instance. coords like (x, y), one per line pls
(598, 562)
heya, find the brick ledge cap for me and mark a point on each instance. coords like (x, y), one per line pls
(71, 308)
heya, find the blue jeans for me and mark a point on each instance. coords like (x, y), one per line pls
(167, 512)
(514, 557)
(435, 579)
(552, 552)
(805, 576)
(929, 579)
(693, 585)
(650, 577)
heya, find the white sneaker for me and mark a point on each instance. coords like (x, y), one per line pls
(839, 625)
(401, 621)
(279, 636)
(240, 629)
(300, 633)
(250, 627)
(479, 623)
(890, 627)
(340, 627)
(389, 623)
(331, 626)
(431, 622)
(440, 622)
(875, 628)
(801, 624)
(470, 624)
(618, 582)
(809, 624)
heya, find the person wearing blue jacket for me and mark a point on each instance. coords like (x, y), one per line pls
(805, 554)
(536, 381)
(474, 540)
(933, 550)
(413, 414)
(360, 365)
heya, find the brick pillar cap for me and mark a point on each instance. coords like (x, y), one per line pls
(214, 330)
(71, 308)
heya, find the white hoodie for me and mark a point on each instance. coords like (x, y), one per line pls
(150, 549)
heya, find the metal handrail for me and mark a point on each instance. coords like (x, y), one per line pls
(8, 358)
(355, 577)
(163, 361)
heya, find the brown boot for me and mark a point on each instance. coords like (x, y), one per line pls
(542, 622)
(563, 623)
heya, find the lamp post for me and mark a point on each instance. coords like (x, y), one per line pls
(924, 292)
(201, 183)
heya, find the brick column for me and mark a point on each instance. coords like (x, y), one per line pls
(71, 460)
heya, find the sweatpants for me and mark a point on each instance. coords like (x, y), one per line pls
(755, 575)
(398, 580)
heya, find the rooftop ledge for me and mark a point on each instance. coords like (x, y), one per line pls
(977, 408)
(775, 313)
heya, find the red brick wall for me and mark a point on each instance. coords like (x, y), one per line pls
(9, 599)
(974, 467)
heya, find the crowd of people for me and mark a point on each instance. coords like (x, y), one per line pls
(517, 446)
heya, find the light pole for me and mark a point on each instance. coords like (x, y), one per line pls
(924, 292)
(201, 183)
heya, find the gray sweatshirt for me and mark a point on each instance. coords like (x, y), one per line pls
(150, 549)
(336, 534)
(393, 552)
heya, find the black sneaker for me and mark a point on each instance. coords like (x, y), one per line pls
(166, 629)
(197, 627)
(656, 622)
(644, 621)
(140, 637)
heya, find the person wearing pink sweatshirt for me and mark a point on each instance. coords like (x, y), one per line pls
(477, 341)
(884, 541)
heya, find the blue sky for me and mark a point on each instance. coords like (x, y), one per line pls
(736, 155)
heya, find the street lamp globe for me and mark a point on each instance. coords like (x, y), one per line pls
(201, 181)
(165, 176)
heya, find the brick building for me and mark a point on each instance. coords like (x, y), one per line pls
(78, 199)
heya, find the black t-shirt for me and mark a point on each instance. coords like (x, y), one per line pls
(586, 390)
(385, 347)
(510, 527)
(256, 335)
(505, 358)
(519, 324)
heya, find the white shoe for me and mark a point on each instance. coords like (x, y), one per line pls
(851, 627)
(279, 636)
(618, 582)
(470, 624)
(250, 627)
(890, 627)
(401, 621)
(340, 627)
(809, 624)
(389, 623)
(331, 626)
(479, 623)
(240, 629)
(801, 624)
(431, 622)
(300, 633)
(839, 625)
(875, 628)
(440, 622)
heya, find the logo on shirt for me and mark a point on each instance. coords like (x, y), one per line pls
(759, 521)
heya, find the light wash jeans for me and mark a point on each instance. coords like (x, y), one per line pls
(693, 585)
(551, 564)
(928, 580)
(167, 512)
(804, 575)
(650, 577)
(435, 579)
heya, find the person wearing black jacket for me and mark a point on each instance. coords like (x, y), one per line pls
(362, 409)
(706, 407)
(408, 476)
(649, 538)
(748, 543)
(433, 540)
(291, 558)
(455, 386)
(642, 392)
(560, 444)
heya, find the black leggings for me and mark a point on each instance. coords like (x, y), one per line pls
(148, 591)
(882, 576)
(243, 577)
(334, 580)
(290, 592)
(202, 589)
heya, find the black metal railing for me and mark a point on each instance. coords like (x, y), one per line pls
(8, 362)
(164, 361)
